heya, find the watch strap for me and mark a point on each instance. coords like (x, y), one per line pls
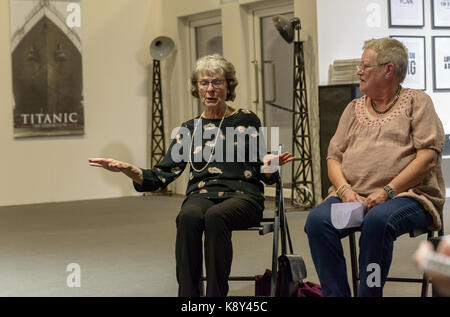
(390, 191)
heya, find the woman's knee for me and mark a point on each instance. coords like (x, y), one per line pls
(215, 218)
(375, 223)
(189, 216)
(396, 217)
(318, 219)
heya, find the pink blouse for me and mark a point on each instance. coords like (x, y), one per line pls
(373, 151)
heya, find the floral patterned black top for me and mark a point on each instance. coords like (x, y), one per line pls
(234, 168)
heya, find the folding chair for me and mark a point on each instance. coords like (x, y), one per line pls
(414, 233)
(276, 225)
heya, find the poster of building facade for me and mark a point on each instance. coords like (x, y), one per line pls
(46, 67)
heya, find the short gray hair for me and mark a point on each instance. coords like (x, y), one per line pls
(212, 64)
(390, 50)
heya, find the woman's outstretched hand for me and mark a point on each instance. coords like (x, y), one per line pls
(117, 166)
(271, 161)
(284, 158)
(109, 164)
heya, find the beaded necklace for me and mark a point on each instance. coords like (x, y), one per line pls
(397, 95)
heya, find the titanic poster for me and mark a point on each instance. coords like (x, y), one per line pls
(46, 67)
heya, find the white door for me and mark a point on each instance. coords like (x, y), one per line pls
(205, 39)
(272, 75)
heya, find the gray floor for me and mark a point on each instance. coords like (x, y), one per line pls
(125, 247)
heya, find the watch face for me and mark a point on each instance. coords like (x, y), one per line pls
(392, 193)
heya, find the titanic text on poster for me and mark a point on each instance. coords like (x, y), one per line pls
(46, 67)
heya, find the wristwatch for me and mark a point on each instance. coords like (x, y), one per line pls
(390, 191)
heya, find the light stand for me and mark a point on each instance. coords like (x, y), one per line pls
(302, 183)
(158, 143)
(160, 48)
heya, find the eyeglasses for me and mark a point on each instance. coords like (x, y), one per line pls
(362, 68)
(216, 83)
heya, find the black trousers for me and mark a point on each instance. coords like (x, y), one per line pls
(217, 218)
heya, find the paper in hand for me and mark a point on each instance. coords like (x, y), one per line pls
(347, 215)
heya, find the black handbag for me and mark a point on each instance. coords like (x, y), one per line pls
(291, 272)
(291, 267)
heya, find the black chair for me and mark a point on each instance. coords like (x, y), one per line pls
(414, 233)
(278, 225)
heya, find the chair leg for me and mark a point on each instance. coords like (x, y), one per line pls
(425, 283)
(202, 285)
(273, 281)
(354, 264)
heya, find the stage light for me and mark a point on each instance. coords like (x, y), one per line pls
(302, 183)
(161, 47)
(286, 27)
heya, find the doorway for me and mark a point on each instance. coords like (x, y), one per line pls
(271, 67)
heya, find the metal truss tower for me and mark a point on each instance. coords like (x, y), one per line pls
(302, 169)
(158, 143)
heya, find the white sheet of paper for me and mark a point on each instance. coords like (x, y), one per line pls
(347, 215)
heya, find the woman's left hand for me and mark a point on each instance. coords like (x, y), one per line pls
(284, 158)
(271, 161)
(376, 198)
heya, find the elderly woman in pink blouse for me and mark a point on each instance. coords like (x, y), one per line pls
(385, 154)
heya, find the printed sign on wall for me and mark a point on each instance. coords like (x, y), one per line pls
(46, 67)
(415, 76)
(440, 13)
(406, 13)
(441, 63)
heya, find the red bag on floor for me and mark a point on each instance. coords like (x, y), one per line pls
(262, 284)
(305, 289)
(309, 289)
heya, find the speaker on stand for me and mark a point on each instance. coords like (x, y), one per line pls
(332, 102)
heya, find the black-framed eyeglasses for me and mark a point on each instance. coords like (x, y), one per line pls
(362, 68)
(216, 83)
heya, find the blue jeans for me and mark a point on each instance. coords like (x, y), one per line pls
(381, 226)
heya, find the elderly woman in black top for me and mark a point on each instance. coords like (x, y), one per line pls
(224, 192)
